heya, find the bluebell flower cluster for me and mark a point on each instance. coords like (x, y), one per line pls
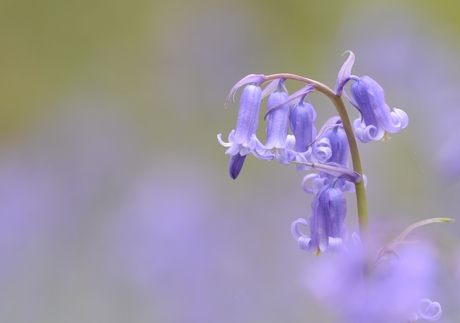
(292, 139)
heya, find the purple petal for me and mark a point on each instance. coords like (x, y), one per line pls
(235, 165)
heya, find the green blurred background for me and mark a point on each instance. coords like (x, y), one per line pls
(115, 202)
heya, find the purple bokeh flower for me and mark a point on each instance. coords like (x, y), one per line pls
(395, 292)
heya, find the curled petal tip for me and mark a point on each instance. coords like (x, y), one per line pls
(429, 310)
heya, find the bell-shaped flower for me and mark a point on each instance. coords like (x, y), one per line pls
(369, 98)
(326, 222)
(302, 121)
(277, 120)
(243, 139)
(376, 117)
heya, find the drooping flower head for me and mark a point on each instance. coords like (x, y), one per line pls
(302, 122)
(243, 139)
(376, 117)
(369, 98)
(277, 118)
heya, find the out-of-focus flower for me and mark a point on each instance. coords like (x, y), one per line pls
(395, 292)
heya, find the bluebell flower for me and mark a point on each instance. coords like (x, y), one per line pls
(333, 150)
(243, 139)
(277, 119)
(369, 98)
(326, 222)
(302, 122)
(376, 118)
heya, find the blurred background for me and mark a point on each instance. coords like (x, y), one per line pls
(115, 200)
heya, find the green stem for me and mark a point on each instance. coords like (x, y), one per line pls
(363, 217)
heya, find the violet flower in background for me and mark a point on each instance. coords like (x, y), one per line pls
(399, 292)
